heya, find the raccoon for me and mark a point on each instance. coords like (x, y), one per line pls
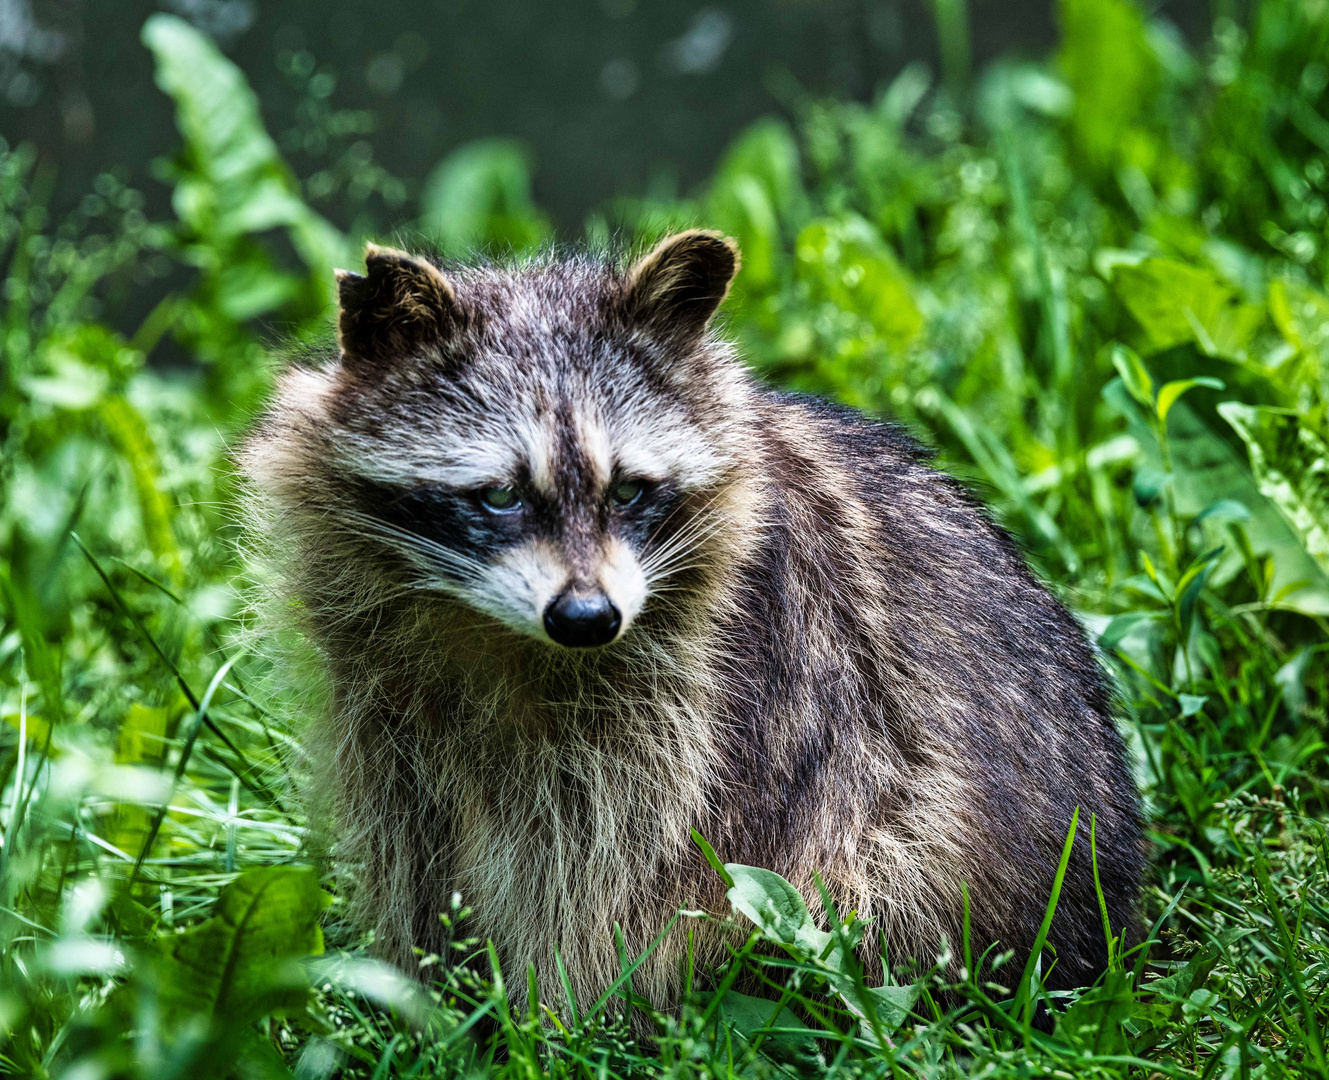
(582, 583)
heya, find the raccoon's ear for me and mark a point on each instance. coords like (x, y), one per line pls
(400, 305)
(682, 280)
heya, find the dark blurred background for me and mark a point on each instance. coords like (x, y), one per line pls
(609, 96)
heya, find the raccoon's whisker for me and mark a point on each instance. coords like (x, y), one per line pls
(658, 563)
(413, 540)
(696, 531)
(668, 559)
(657, 578)
(676, 566)
(701, 513)
(410, 547)
(661, 563)
(681, 546)
(673, 571)
(668, 562)
(413, 543)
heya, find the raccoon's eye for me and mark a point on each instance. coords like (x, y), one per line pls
(627, 492)
(501, 499)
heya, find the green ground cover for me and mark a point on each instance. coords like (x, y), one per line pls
(1096, 284)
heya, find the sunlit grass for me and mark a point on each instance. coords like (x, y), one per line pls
(1095, 284)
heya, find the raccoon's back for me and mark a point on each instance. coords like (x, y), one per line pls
(884, 569)
(896, 671)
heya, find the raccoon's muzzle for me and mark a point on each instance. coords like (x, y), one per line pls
(582, 620)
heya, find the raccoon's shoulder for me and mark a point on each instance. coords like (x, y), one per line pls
(860, 438)
(939, 557)
(871, 457)
(889, 472)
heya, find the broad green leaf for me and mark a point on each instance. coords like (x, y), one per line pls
(757, 194)
(1112, 73)
(71, 385)
(91, 345)
(1170, 392)
(740, 205)
(1291, 466)
(1094, 1023)
(776, 907)
(1172, 991)
(243, 963)
(1141, 583)
(893, 1004)
(904, 93)
(1191, 704)
(768, 152)
(1208, 469)
(749, 1015)
(235, 181)
(79, 366)
(1139, 384)
(248, 288)
(1301, 315)
(1036, 89)
(1223, 510)
(1292, 678)
(1150, 483)
(480, 195)
(218, 114)
(1176, 303)
(846, 262)
(1121, 626)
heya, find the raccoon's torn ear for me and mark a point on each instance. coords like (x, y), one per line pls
(399, 306)
(680, 282)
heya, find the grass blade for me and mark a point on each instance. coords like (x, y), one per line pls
(1024, 1002)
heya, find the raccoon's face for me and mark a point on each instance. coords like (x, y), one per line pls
(545, 446)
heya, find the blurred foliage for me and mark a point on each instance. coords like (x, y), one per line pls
(1097, 284)
(481, 194)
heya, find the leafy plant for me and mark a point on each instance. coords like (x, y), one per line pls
(1095, 283)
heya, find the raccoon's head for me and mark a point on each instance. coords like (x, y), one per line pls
(550, 445)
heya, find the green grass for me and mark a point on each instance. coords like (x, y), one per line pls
(1096, 284)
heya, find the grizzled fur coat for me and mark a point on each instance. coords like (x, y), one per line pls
(581, 583)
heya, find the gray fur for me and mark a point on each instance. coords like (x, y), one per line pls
(836, 662)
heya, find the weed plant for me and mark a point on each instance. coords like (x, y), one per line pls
(1096, 284)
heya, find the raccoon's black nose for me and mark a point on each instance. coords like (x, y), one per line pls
(582, 620)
